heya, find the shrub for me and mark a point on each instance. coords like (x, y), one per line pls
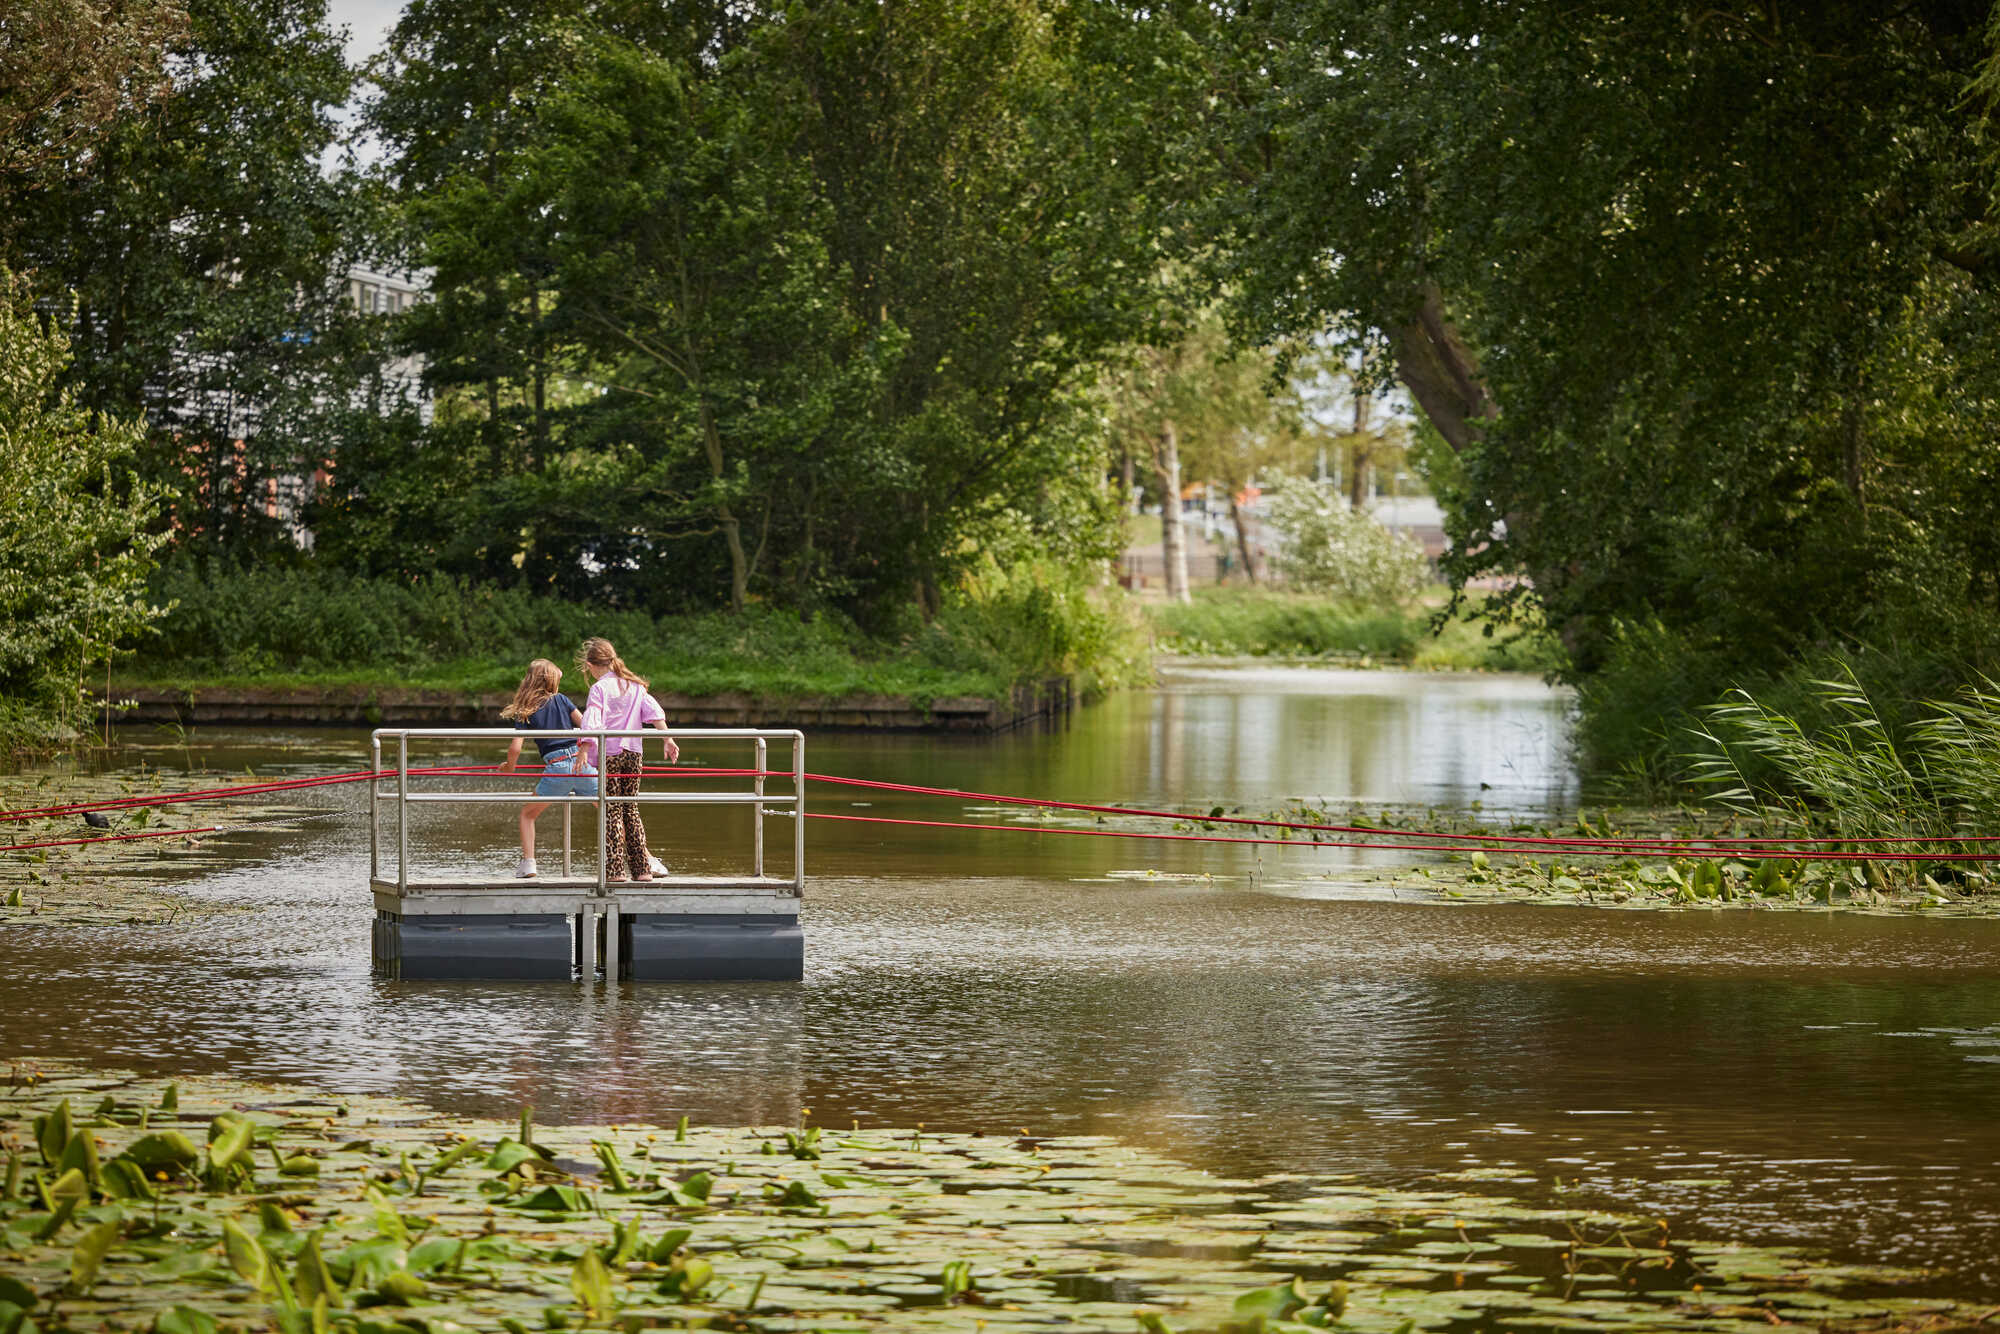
(1331, 548)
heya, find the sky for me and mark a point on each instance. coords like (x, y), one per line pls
(367, 23)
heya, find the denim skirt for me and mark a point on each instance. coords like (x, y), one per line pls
(567, 774)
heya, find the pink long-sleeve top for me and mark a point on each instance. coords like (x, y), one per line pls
(620, 705)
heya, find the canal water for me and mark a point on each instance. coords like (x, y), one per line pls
(1759, 1076)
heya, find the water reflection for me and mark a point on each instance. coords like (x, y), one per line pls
(1818, 1078)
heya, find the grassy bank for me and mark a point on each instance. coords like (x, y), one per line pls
(208, 1205)
(304, 627)
(1238, 622)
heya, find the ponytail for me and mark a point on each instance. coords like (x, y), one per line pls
(600, 654)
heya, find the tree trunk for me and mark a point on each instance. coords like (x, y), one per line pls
(1242, 538)
(1128, 502)
(1854, 456)
(541, 426)
(1357, 475)
(1441, 373)
(1173, 543)
(732, 527)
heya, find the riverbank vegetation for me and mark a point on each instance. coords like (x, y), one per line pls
(306, 626)
(743, 313)
(194, 1205)
(1426, 634)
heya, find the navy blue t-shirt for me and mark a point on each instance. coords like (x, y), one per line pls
(554, 714)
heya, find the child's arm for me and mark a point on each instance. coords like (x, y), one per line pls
(655, 716)
(513, 754)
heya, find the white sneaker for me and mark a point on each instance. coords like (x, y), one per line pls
(526, 870)
(656, 866)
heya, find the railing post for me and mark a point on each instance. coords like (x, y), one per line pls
(611, 963)
(374, 806)
(603, 788)
(757, 816)
(799, 814)
(402, 812)
(567, 811)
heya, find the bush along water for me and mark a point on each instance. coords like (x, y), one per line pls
(999, 626)
(1239, 622)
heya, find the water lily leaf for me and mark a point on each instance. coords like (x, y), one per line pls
(436, 1253)
(399, 1288)
(88, 1255)
(366, 1263)
(314, 1278)
(458, 1154)
(161, 1151)
(795, 1195)
(229, 1143)
(183, 1320)
(123, 1180)
(687, 1278)
(507, 1155)
(1272, 1303)
(170, 1098)
(590, 1280)
(20, 1294)
(71, 1185)
(246, 1257)
(81, 1156)
(614, 1167)
(299, 1165)
(53, 1130)
(388, 1223)
(662, 1251)
(555, 1199)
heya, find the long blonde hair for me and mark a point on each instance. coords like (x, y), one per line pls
(537, 688)
(599, 653)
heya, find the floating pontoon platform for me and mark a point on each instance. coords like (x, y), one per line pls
(672, 928)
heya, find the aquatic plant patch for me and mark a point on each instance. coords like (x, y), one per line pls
(127, 881)
(1557, 875)
(201, 1206)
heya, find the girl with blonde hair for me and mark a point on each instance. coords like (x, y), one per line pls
(620, 701)
(540, 706)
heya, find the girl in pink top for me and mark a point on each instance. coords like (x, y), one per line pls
(619, 700)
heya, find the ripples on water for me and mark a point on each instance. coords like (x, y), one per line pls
(1830, 1079)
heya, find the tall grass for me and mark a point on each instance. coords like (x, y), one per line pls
(1853, 775)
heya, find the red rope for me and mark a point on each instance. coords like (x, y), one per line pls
(108, 838)
(1750, 854)
(1744, 847)
(1499, 839)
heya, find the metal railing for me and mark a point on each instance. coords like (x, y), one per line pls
(762, 802)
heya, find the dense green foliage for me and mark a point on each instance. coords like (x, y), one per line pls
(734, 305)
(1701, 295)
(276, 625)
(204, 248)
(849, 313)
(74, 553)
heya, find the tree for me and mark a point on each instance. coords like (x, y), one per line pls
(206, 247)
(69, 69)
(74, 543)
(827, 337)
(1660, 276)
